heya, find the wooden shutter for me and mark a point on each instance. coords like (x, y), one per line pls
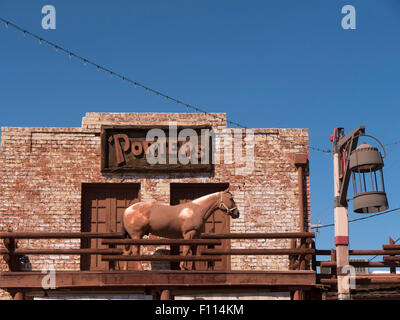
(218, 222)
(102, 208)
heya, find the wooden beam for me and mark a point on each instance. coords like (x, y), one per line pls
(391, 247)
(258, 251)
(373, 252)
(362, 252)
(323, 252)
(159, 258)
(163, 279)
(278, 235)
(394, 259)
(59, 235)
(371, 264)
(68, 251)
(163, 241)
(116, 235)
(369, 279)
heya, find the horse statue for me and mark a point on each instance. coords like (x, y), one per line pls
(175, 222)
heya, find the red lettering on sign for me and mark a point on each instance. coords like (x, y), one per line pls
(118, 148)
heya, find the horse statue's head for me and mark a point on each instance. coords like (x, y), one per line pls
(228, 205)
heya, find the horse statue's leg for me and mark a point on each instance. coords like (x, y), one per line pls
(136, 224)
(127, 251)
(130, 250)
(184, 265)
(136, 251)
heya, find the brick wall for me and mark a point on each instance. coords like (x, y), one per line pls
(43, 169)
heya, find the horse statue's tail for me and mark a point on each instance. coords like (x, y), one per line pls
(125, 233)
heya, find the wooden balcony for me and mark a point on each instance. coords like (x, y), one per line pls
(20, 283)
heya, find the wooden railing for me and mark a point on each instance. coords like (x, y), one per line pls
(390, 259)
(300, 257)
(301, 253)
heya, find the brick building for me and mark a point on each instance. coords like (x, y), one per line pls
(52, 180)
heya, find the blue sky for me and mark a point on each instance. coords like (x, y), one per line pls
(270, 64)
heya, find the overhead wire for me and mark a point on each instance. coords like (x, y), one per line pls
(187, 106)
(378, 255)
(138, 84)
(112, 73)
(358, 219)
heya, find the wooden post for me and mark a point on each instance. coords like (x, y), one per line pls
(301, 198)
(19, 296)
(292, 259)
(174, 251)
(341, 234)
(10, 258)
(155, 294)
(392, 269)
(300, 294)
(333, 259)
(313, 257)
(303, 264)
(300, 161)
(111, 263)
(165, 294)
(292, 263)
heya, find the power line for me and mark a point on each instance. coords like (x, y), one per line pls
(391, 144)
(378, 255)
(320, 150)
(358, 219)
(330, 151)
(112, 73)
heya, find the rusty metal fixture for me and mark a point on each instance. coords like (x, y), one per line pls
(366, 165)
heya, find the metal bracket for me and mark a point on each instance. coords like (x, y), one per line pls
(346, 143)
(337, 203)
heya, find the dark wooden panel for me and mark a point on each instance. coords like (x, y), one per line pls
(218, 222)
(102, 208)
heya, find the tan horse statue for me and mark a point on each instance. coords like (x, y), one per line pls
(176, 222)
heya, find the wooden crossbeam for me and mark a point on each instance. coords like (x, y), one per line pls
(59, 235)
(159, 258)
(163, 241)
(258, 251)
(277, 235)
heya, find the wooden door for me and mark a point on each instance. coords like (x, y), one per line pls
(218, 222)
(102, 208)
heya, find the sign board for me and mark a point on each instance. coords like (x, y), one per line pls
(156, 149)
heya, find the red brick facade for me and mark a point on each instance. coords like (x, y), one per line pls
(43, 169)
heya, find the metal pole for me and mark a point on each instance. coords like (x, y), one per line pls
(341, 234)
